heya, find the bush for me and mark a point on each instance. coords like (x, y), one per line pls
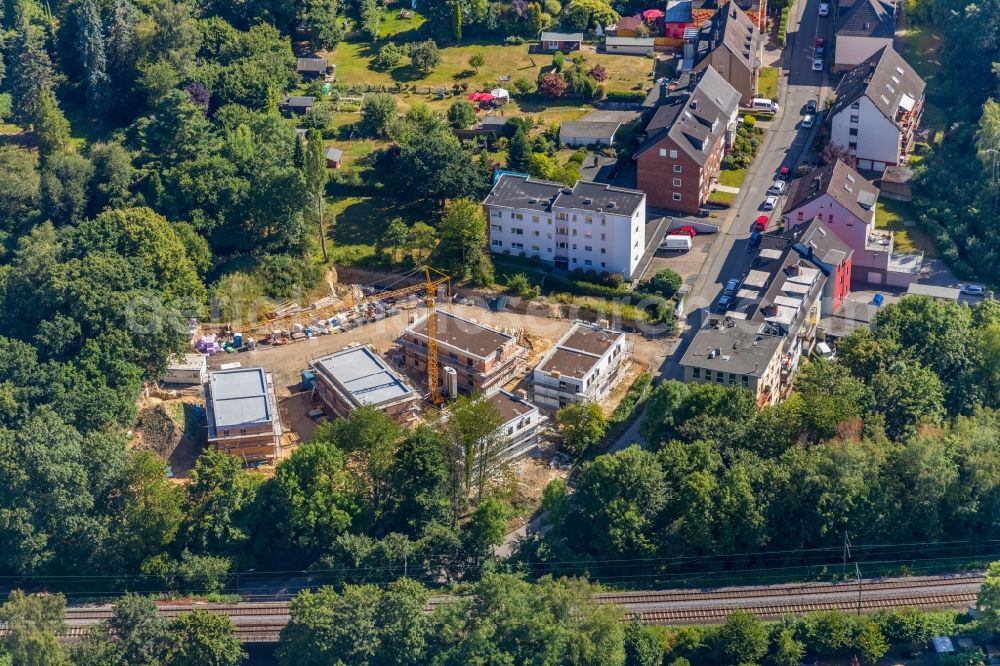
(519, 285)
(558, 60)
(665, 283)
(524, 86)
(625, 96)
(388, 56)
(514, 40)
(6, 107)
(636, 395)
(461, 114)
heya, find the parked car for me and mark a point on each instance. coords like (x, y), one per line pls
(817, 64)
(675, 244)
(684, 231)
(820, 51)
(760, 224)
(725, 303)
(754, 241)
(973, 290)
(784, 173)
(731, 286)
(770, 203)
(811, 106)
(777, 187)
(820, 42)
(808, 121)
(704, 212)
(824, 9)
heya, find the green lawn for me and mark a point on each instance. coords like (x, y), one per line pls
(767, 84)
(732, 177)
(722, 198)
(891, 214)
(922, 50)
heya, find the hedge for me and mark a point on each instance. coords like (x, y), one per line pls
(625, 96)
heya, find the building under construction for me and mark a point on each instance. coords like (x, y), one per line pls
(358, 376)
(473, 357)
(242, 414)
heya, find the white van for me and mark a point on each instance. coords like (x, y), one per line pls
(764, 104)
(678, 243)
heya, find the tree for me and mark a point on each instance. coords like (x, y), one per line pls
(112, 179)
(486, 528)
(552, 86)
(135, 634)
(786, 650)
(176, 37)
(202, 638)
(315, 174)
(419, 483)
(389, 55)
(584, 14)
(519, 153)
(665, 282)
(218, 498)
(423, 240)
(51, 126)
(32, 624)
(461, 114)
(582, 425)
(65, 187)
(989, 596)
(433, 167)
(642, 647)
(378, 112)
(909, 394)
(456, 22)
(477, 59)
(988, 133)
(20, 187)
(743, 638)
(476, 445)
(464, 239)
(91, 47)
(371, 19)
(831, 396)
(835, 152)
(425, 56)
(120, 50)
(31, 80)
(871, 642)
(395, 237)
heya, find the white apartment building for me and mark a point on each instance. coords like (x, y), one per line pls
(590, 226)
(877, 111)
(585, 365)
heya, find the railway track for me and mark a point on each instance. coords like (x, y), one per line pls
(260, 621)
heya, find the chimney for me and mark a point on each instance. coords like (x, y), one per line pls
(871, 72)
(817, 183)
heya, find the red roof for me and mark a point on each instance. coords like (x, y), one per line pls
(481, 97)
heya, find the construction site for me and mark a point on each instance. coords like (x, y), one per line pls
(405, 351)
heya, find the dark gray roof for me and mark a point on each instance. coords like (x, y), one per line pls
(845, 185)
(334, 154)
(732, 345)
(299, 100)
(694, 119)
(731, 28)
(311, 65)
(514, 191)
(886, 79)
(819, 239)
(523, 192)
(597, 129)
(866, 18)
(600, 197)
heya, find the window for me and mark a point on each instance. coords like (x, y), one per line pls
(588, 248)
(854, 119)
(604, 236)
(574, 260)
(562, 216)
(663, 152)
(673, 153)
(677, 182)
(602, 263)
(720, 377)
(517, 216)
(852, 145)
(856, 105)
(588, 219)
(535, 234)
(732, 378)
(801, 215)
(574, 246)
(677, 196)
(517, 246)
(496, 227)
(586, 262)
(745, 380)
(496, 213)
(588, 235)
(516, 231)
(696, 373)
(708, 375)
(677, 168)
(561, 246)
(853, 131)
(534, 248)
(497, 243)
(603, 251)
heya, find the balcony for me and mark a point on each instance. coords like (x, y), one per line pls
(879, 240)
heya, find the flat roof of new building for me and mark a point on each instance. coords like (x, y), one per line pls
(732, 345)
(460, 333)
(187, 362)
(579, 350)
(363, 376)
(239, 397)
(510, 406)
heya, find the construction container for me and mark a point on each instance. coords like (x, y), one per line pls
(308, 379)
(451, 382)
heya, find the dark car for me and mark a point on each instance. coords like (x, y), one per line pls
(704, 212)
(725, 303)
(731, 287)
(754, 241)
(811, 106)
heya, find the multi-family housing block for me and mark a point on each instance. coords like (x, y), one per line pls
(590, 226)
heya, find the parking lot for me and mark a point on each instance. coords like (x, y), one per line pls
(686, 264)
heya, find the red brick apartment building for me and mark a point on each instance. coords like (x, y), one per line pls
(693, 125)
